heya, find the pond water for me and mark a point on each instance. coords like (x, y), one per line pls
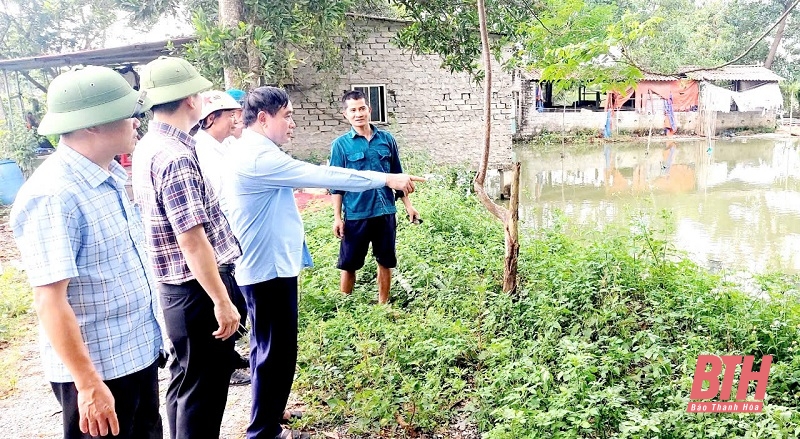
(733, 203)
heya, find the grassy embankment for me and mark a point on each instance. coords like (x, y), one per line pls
(601, 340)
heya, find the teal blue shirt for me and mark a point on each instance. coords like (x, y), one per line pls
(257, 181)
(353, 151)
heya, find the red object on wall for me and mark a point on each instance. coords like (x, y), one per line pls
(125, 159)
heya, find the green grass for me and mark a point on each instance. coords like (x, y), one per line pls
(16, 324)
(600, 342)
(16, 300)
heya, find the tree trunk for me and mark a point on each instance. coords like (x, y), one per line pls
(230, 14)
(509, 219)
(773, 49)
(512, 236)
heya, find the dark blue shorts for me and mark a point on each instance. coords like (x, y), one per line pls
(358, 234)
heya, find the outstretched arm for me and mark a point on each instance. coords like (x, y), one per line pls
(277, 170)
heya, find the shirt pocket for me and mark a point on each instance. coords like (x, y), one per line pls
(357, 160)
(384, 158)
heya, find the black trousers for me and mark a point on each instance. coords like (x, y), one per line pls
(272, 308)
(202, 365)
(135, 401)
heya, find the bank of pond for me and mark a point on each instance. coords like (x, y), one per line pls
(601, 340)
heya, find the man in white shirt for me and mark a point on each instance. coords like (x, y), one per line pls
(216, 124)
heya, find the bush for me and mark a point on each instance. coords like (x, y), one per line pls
(19, 144)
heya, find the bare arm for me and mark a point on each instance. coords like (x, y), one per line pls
(95, 401)
(338, 224)
(200, 258)
(413, 214)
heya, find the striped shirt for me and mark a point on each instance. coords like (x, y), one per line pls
(173, 196)
(72, 220)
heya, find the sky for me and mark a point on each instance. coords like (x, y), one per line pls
(168, 26)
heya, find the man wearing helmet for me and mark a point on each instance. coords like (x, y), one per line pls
(82, 248)
(192, 250)
(217, 123)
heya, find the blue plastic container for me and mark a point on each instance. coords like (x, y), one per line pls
(11, 180)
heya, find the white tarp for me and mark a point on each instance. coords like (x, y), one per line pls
(764, 97)
(716, 98)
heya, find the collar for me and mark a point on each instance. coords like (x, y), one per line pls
(202, 138)
(89, 170)
(353, 132)
(170, 131)
(251, 136)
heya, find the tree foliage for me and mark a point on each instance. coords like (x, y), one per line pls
(37, 27)
(276, 37)
(691, 33)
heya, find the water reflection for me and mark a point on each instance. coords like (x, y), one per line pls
(736, 202)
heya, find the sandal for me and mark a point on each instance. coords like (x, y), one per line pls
(293, 434)
(290, 415)
(240, 377)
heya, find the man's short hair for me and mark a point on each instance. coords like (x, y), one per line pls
(267, 99)
(354, 95)
(167, 107)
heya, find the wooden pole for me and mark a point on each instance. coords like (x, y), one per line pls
(511, 262)
(19, 96)
(10, 115)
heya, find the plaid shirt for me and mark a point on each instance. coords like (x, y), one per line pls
(72, 220)
(174, 197)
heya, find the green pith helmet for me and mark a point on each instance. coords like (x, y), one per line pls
(87, 97)
(169, 79)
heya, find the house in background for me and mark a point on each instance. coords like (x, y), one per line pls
(697, 102)
(427, 108)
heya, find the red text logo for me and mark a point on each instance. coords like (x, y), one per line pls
(711, 367)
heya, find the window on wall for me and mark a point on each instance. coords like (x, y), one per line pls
(376, 99)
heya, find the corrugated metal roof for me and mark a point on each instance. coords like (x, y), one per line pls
(727, 73)
(133, 54)
(657, 77)
(734, 73)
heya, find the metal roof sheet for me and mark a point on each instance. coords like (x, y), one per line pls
(727, 73)
(734, 73)
(133, 54)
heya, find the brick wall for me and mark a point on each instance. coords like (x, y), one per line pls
(428, 108)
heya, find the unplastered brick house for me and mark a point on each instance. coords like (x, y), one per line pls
(426, 107)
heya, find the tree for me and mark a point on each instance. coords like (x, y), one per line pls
(776, 41)
(509, 217)
(230, 14)
(271, 40)
(37, 27)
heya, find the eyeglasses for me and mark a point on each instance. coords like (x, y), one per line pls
(241, 330)
(137, 110)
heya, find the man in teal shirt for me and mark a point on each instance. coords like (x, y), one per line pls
(260, 206)
(369, 216)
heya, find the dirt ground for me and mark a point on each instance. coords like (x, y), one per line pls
(31, 411)
(8, 250)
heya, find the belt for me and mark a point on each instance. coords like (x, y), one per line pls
(226, 268)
